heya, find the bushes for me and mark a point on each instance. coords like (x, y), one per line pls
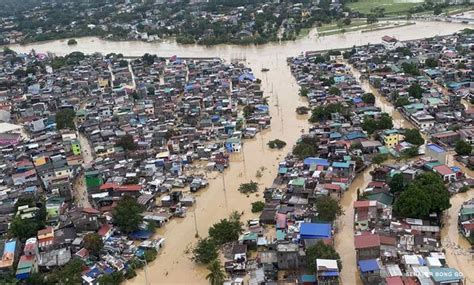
(247, 188)
(279, 144)
(257, 206)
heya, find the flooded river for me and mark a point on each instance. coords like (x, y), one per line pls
(173, 266)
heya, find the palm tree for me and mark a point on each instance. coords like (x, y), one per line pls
(216, 275)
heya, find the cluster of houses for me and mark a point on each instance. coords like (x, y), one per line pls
(390, 250)
(326, 169)
(151, 21)
(466, 220)
(430, 80)
(137, 126)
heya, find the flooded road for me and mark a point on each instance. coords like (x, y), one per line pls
(455, 245)
(174, 266)
(344, 241)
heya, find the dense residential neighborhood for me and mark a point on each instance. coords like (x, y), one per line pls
(347, 164)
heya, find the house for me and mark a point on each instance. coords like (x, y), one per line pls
(391, 138)
(327, 271)
(105, 231)
(233, 145)
(315, 231)
(369, 271)
(289, 256)
(367, 246)
(10, 253)
(445, 172)
(26, 266)
(436, 152)
(391, 43)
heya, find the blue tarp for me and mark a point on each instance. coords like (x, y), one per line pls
(316, 161)
(368, 265)
(308, 278)
(329, 273)
(315, 231)
(247, 76)
(141, 234)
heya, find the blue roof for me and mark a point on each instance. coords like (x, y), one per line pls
(329, 273)
(356, 100)
(436, 148)
(316, 161)
(315, 231)
(9, 247)
(93, 273)
(355, 135)
(368, 265)
(335, 135)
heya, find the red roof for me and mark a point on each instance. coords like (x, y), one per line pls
(129, 188)
(362, 204)
(376, 184)
(90, 211)
(394, 280)
(443, 169)
(107, 186)
(104, 230)
(330, 186)
(367, 241)
(388, 240)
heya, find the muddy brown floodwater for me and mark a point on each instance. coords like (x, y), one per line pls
(173, 265)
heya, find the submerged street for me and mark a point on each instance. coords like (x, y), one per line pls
(222, 197)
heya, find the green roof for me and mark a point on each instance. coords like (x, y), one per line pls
(433, 164)
(383, 198)
(383, 149)
(297, 182)
(443, 274)
(280, 235)
(467, 211)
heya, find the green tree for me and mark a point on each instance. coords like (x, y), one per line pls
(71, 273)
(371, 19)
(93, 243)
(402, 102)
(23, 228)
(415, 91)
(127, 214)
(424, 195)
(205, 251)
(431, 62)
(410, 152)
(226, 230)
(302, 150)
(303, 91)
(279, 144)
(413, 136)
(250, 187)
(127, 142)
(410, 68)
(328, 208)
(437, 10)
(65, 119)
(379, 158)
(463, 148)
(114, 278)
(71, 42)
(321, 251)
(368, 98)
(258, 206)
(216, 274)
(396, 183)
(334, 91)
(150, 254)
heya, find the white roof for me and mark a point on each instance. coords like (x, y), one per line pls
(7, 127)
(433, 262)
(326, 264)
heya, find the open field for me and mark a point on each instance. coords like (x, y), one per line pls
(390, 6)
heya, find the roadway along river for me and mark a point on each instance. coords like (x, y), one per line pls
(173, 266)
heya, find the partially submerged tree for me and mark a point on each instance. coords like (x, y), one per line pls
(216, 275)
(205, 251)
(127, 214)
(247, 188)
(321, 251)
(328, 208)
